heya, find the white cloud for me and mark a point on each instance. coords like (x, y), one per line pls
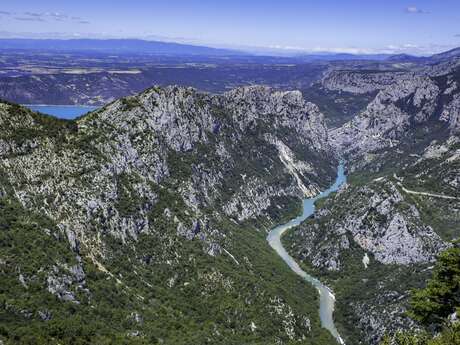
(33, 14)
(415, 49)
(46, 16)
(30, 19)
(54, 35)
(57, 16)
(405, 48)
(415, 10)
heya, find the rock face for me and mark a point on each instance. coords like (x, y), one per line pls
(358, 82)
(380, 222)
(143, 194)
(398, 110)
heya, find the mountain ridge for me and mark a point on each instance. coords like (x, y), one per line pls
(148, 234)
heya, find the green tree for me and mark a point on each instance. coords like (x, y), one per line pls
(433, 304)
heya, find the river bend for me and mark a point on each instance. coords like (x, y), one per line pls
(327, 298)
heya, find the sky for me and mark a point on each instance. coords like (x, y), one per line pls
(352, 26)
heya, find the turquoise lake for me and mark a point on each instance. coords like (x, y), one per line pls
(68, 112)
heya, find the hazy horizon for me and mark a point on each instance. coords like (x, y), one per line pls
(415, 27)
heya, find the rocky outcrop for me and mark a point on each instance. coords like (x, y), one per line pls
(380, 221)
(389, 117)
(399, 110)
(360, 81)
(62, 280)
(451, 112)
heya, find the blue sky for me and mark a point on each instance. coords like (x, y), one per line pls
(359, 26)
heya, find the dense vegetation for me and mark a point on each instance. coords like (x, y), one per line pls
(436, 306)
(142, 303)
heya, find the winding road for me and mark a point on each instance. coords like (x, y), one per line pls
(440, 196)
(327, 298)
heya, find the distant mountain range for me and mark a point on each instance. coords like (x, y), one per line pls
(450, 54)
(138, 46)
(118, 46)
(444, 56)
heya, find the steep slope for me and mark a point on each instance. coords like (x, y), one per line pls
(377, 238)
(346, 89)
(144, 222)
(419, 103)
(360, 81)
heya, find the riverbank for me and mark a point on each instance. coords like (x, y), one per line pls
(327, 298)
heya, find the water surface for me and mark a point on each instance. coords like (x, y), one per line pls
(68, 112)
(327, 298)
